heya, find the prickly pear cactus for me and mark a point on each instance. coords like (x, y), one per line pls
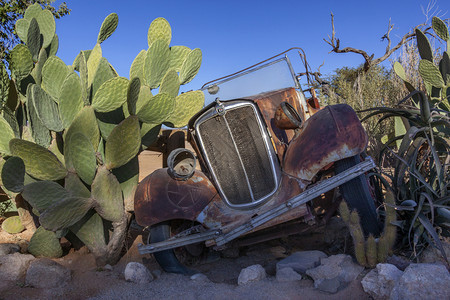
(13, 225)
(69, 140)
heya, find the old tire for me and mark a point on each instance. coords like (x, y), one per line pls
(357, 194)
(167, 258)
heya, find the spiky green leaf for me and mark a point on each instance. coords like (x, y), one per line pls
(149, 134)
(75, 186)
(159, 30)
(32, 11)
(46, 109)
(123, 143)
(440, 28)
(108, 27)
(13, 225)
(111, 95)
(53, 47)
(398, 68)
(170, 84)
(157, 109)
(39, 162)
(137, 67)
(128, 177)
(107, 195)
(424, 46)
(45, 243)
(82, 155)
(178, 55)
(92, 63)
(47, 26)
(133, 95)
(34, 42)
(190, 66)
(21, 27)
(90, 231)
(21, 61)
(103, 74)
(430, 73)
(6, 135)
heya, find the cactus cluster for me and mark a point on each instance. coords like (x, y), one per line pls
(370, 251)
(71, 133)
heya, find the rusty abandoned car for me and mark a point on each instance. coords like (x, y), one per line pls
(264, 156)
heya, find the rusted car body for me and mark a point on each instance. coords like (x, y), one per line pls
(260, 156)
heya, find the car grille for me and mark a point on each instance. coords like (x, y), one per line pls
(239, 154)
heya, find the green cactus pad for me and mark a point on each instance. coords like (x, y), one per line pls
(65, 213)
(76, 61)
(398, 68)
(159, 30)
(90, 231)
(32, 11)
(39, 162)
(45, 243)
(43, 194)
(6, 135)
(123, 143)
(133, 95)
(21, 27)
(21, 61)
(128, 177)
(107, 195)
(70, 100)
(13, 174)
(92, 63)
(75, 186)
(46, 109)
(13, 225)
(103, 74)
(53, 47)
(82, 155)
(33, 40)
(4, 81)
(156, 63)
(111, 95)
(157, 110)
(424, 46)
(170, 84)
(84, 79)
(178, 55)
(13, 98)
(39, 65)
(54, 72)
(149, 134)
(440, 28)
(47, 26)
(108, 121)
(10, 117)
(145, 94)
(108, 27)
(137, 67)
(186, 105)
(430, 73)
(190, 66)
(55, 149)
(40, 134)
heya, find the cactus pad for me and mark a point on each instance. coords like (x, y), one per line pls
(399, 70)
(156, 63)
(92, 63)
(170, 83)
(190, 66)
(70, 101)
(133, 95)
(111, 95)
(103, 74)
(186, 105)
(54, 72)
(39, 162)
(178, 55)
(43, 194)
(440, 28)
(47, 26)
(123, 143)
(45, 243)
(22, 28)
(75, 186)
(82, 155)
(149, 134)
(108, 27)
(34, 39)
(6, 136)
(128, 177)
(430, 73)
(157, 110)
(65, 213)
(32, 11)
(86, 122)
(424, 46)
(13, 225)
(21, 61)
(107, 195)
(159, 30)
(90, 231)
(13, 174)
(46, 109)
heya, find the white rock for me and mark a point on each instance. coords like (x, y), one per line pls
(137, 273)
(46, 273)
(14, 266)
(379, 282)
(251, 274)
(199, 277)
(288, 274)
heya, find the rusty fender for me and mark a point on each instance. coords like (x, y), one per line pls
(331, 134)
(160, 198)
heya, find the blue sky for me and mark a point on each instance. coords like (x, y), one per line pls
(235, 34)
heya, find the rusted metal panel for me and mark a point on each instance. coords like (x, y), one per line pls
(160, 198)
(333, 133)
(219, 215)
(268, 104)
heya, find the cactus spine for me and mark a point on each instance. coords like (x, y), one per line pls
(373, 250)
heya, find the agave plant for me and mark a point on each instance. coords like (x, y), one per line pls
(422, 171)
(71, 135)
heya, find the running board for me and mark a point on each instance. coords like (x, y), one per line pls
(221, 239)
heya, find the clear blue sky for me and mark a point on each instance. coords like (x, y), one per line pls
(235, 34)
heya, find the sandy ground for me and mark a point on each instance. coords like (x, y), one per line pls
(90, 282)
